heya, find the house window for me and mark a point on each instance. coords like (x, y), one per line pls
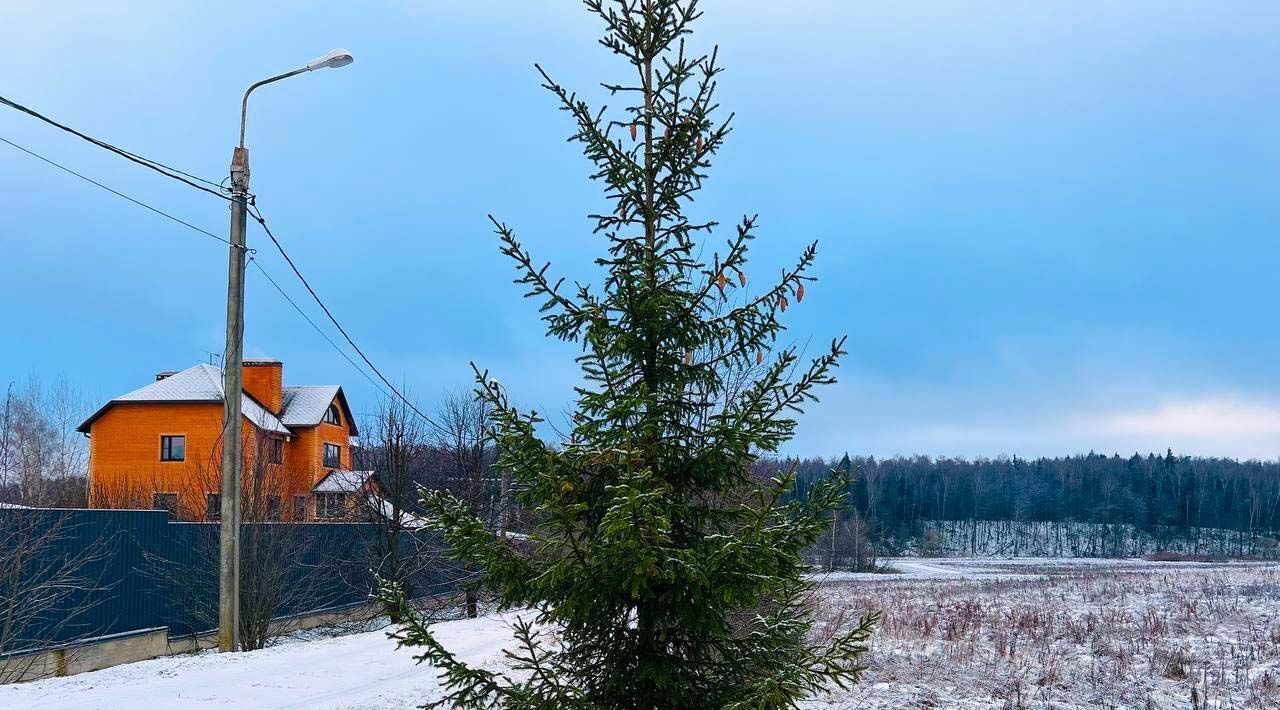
(299, 508)
(330, 505)
(332, 456)
(165, 501)
(213, 506)
(274, 508)
(331, 415)
(173, 448)
(275, 450)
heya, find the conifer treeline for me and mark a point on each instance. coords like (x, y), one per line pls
(897, 494)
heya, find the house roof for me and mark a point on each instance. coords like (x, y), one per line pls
(199, 383)
(305, 405)
(343, 481)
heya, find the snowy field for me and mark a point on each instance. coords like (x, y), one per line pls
(956, 633)
(1070, 633)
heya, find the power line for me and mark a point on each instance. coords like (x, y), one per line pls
(139, 203)
(117, 193)
(103, 144)
(178, 175)
(155, 165)
(317, 328)
(257, 215)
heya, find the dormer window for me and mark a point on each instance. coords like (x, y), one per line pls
(331, 415)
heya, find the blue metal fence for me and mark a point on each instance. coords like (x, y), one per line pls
(115, 571)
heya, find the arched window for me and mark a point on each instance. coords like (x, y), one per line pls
(331, 415)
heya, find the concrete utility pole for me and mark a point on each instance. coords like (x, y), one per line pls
(232, 390)
(233, 374)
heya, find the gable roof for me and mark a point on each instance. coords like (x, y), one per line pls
(199, 383)
(305, 405)
(345, 481)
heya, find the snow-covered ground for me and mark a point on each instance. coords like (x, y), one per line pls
(956, 633)
(921, 568)
(361, 671)
(1064, 634)
(992, 568)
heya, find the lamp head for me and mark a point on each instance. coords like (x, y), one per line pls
(334, 59)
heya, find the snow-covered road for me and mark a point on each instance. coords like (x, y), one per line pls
(357, 672)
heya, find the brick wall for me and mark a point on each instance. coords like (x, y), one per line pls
(125, 469)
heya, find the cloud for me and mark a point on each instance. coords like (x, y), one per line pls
(1217, 417)
(886, 419)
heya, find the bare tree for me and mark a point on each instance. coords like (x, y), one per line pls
(271, 553)
(467, 467)
(46, 589)
(43, 459)
(285, 568)
(395, 442)
(396, 449)
(466, 459)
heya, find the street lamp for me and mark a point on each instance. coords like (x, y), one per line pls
(233, 372)
(332, 60)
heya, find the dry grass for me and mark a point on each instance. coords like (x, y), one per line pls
(1069, 636)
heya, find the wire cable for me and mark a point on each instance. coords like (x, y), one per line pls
(257, 215)
(117, 193)
(155, 165)
(144, 205)
(317, 328)
(182, 176)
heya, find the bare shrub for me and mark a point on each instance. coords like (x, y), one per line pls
(285, 568)
(47, 587)
(1177, 665)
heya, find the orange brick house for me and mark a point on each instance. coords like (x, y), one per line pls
(160, 447)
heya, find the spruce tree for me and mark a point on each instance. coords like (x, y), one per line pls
(661, 573)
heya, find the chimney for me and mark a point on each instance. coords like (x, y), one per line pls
(263, 381)
(164, 374)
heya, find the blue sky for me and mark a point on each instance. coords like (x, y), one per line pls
(1046, 227)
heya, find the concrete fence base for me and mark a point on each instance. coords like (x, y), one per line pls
(142, 645)
(90, 655)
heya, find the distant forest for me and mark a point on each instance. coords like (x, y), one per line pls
(1141, 501)
(894, 497)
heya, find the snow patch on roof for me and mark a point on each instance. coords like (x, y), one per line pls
(202, 383)
(198, 383)
(305, 405)
(343, 481)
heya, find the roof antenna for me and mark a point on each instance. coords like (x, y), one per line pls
(215, 358)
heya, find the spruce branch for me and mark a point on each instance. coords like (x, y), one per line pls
(465, 687)
(570, 317)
